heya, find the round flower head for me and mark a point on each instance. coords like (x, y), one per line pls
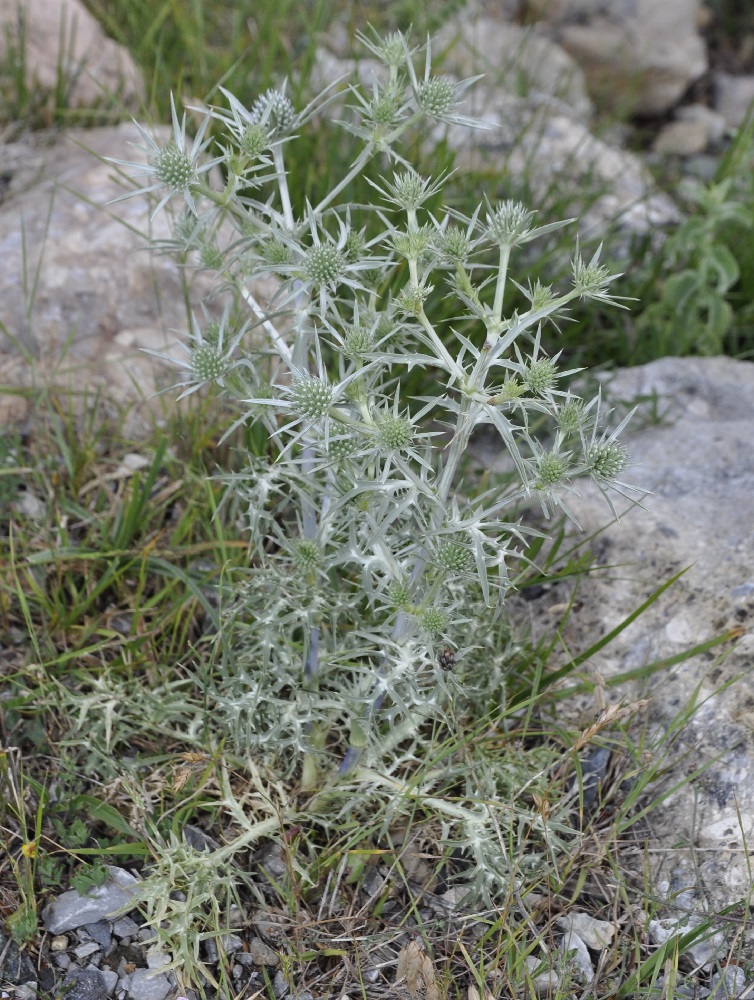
(169, 165)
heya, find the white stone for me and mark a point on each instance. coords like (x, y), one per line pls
(146, 985)
(733, 97)
(63, 34)
(698, 461)
(70, 910)
(520, 61)
(639, 56)
(596, 934)
(733, 830)
(577, 955)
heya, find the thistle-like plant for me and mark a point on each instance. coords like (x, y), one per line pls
(369, 560)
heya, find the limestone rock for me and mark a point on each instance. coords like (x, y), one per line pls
(604, 186)
(62, 33)
(519, 61)
(733, 97)
(80, 292)
(696, 129)
(71, 910)
(690, 445)
(638, 55)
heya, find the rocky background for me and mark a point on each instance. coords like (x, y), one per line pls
(79, 298)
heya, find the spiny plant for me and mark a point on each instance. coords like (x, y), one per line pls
(375, 576)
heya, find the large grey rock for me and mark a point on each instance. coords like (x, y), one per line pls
(85, 984)
(698, 461)
(638, 55)
(537, 112)
(62, 36)
(80, 293)
(71, 910)
(734, 96)
(519, 61)
(605, 187)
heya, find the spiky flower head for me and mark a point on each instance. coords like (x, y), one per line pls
(552, 468)
(540, 376)
(254, 140)
(174, 168)
(607, 459)
(358, 341)
(311, 396)
(400, 593)
(571, 416)
(341, 447)
(436, 96)
(308, 554)
(592, 280)
(434, 620)
(455, 245)
(413, 243)
(275, 111)
(386, 107)
(412, 297)
(207, 363)
(211, 256)
(453, 557)
(394, 433)
(324, 264)
(509, 224)
(275, 252)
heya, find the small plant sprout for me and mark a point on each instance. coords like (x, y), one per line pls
(372, 562)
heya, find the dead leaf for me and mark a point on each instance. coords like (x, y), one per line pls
(416, 970)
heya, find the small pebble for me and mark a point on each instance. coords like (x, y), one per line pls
(86, 984)
(100, 932)
(145, 985)
(730, 984)
(279, 985)
(111, 980)
(156, 959)
(59, 943)
(86, 949)
(62, 961)
(125, 927)
(26, 991)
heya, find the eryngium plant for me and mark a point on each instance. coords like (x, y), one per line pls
(368, 562)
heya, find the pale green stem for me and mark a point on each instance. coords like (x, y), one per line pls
(282, 179)
(280, 345)
(502, 274)
(364, 157)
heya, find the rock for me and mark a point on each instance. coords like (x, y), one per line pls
(61, 35)
(639, 56)
(125, 927)
(85, 984)
(538, 139)
(564, 164)
(730, 983)
(596, 934)
(111, 980)
(100, 932)
(577, 955)
(546, 982)
(17, 967)
(695, 129)
(733, 97)
(147, 985)
(262, 954)
(70, 910)
(86, 949)
(520, 61)
(691, 445)
(100, 297)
